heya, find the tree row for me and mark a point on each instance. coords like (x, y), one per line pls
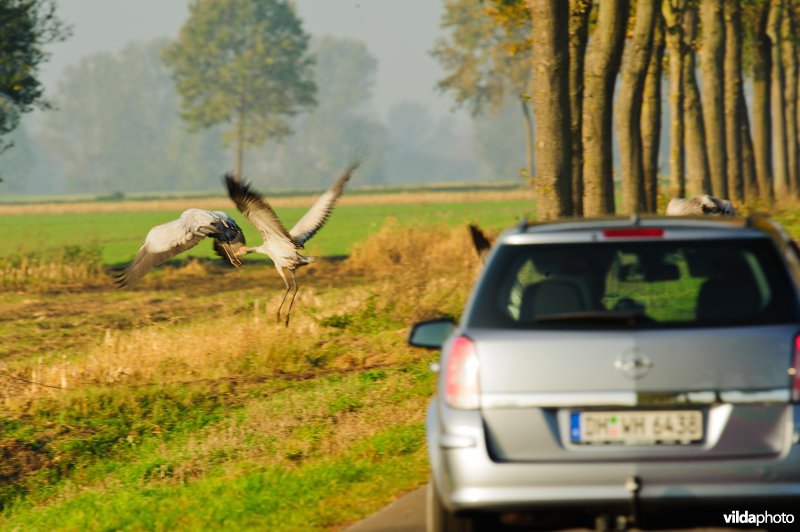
(592, 70)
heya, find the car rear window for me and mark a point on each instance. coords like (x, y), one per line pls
(625, 284)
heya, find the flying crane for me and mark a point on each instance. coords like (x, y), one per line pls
(282, 246)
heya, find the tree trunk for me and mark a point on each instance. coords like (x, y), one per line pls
(733, 95)
(778, 100)
(602, 65)
(526, 115)
(696, 150)
(238, 160)
(712, 70)
(629, 109)
(239, 141)
(789, 57)
(578, 35)
(792, 14)
(651, 116)
(550, 27)
(762, 118)
(673, 26)
(749, 174)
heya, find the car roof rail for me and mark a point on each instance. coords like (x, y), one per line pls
(523, 223)
(753, 219)
(762, 221)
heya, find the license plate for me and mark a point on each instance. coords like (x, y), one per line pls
(637, 427)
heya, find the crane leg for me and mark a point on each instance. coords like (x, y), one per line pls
(278, 316)
(294, 283)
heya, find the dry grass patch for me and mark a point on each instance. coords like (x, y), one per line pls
(224, 347)
(177, 338)
(70, 264)
(422, 272)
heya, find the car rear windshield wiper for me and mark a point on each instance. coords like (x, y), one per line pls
(630, 318)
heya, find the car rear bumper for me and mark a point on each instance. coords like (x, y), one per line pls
(469, 479)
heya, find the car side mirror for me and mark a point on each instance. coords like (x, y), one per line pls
(431, 334)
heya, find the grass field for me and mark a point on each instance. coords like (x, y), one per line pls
(181, 404)
(118, 234)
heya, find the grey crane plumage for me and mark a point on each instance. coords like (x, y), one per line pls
(172, 238)
(700, 205)
(280, 245)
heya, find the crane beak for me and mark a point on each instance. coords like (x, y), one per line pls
(232, 258)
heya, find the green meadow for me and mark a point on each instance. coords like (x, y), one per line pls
(118, 235)
(181, 404)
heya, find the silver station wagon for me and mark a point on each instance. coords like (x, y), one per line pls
(620, 372)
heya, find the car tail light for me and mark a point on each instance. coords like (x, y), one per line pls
(634, 232)
(461, 389)
(794, 371)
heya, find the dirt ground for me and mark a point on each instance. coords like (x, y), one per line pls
(65, 319)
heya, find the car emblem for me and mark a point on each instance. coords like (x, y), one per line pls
(633, 363)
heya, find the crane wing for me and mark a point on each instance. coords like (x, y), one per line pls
(256, 209)
(162, 243)
(318, 214)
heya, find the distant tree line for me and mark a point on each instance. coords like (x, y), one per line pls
(565, 57)
(242, 75)
(116, 127)
(242, 63)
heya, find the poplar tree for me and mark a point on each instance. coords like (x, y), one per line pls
(602, 66)
(651, 116)
(629, 108)
(243, 63)
(550, 58)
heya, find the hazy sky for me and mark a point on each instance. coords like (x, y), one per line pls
(399, 33)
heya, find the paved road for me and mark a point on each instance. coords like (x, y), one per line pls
(406, 514)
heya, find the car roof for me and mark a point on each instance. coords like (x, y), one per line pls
(636, 228)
